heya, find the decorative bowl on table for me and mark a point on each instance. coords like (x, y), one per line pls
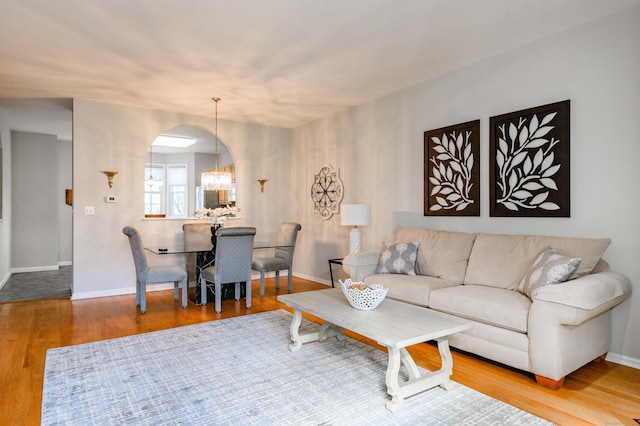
(362, 296)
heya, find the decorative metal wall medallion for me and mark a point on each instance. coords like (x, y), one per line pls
(529, 162)
(327, 192)
(452, 170)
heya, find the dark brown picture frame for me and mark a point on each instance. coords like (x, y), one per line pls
(529, 162)
(452, 170)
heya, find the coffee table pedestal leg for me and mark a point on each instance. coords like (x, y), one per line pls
(326, 330)
(417, 383)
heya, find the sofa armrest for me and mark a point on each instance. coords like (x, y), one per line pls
(570, 323)
(359, 265)
(594, 292)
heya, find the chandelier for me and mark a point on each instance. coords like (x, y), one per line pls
(152, 181)
(215, 179)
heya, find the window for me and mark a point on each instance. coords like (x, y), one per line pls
(165, 190)
(177, 181)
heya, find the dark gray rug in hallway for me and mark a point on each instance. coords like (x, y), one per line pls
(38, 285)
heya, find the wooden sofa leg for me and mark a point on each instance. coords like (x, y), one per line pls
(601, 358)
(550, 383)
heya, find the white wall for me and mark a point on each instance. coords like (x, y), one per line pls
(378, 148)
(65, 222)
(48, 116)
(34, 210)
(114, 137)
(5, 218)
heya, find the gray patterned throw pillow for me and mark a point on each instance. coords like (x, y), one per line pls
(549, 268)
(398, 258)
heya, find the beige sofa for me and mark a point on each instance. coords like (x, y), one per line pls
(551, 333)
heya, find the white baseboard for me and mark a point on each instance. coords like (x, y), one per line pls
(119, 291)
(32, 269)
(5, 279)
(314, 279)
(623, 360)
(35, 269)
(65, 263)
(169, 286)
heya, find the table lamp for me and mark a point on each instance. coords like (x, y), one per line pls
(355, 215)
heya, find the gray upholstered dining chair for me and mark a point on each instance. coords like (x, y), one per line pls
(282, 258)
(234, 248)
(195, 234)
(146, 274)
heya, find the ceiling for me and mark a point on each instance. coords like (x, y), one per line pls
(274, 62)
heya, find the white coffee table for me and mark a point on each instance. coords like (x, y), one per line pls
(395, 325)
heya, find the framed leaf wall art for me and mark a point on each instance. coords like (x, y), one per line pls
(452, 170)
(529, 162)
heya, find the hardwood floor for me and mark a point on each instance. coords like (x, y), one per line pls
(603, 393)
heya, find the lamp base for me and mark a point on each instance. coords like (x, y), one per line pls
(355, 240)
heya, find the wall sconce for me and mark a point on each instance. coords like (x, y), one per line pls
(262, 182)
(110, 175)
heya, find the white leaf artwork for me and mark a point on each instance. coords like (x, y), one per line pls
(450, 156)
(527, 172)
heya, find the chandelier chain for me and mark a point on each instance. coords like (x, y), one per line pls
(216, 100)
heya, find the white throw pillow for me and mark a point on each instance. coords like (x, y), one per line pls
(398, 258)
(549, 268)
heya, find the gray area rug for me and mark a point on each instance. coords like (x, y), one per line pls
(38, 285)
(239, 371)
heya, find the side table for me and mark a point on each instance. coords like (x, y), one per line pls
(337, 261)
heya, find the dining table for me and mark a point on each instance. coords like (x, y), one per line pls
(205, 257)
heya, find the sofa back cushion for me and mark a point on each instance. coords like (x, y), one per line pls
(502, 260)
(441, 254)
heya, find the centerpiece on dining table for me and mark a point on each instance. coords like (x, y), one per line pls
(217, 215)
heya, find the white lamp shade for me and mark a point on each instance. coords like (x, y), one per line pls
(355, 214)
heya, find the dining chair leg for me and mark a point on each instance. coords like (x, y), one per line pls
(237, 291)
(137, 293)
(175, 290)
(218, 297)
(248, 292)
(290, 283)
(262, 273)
(277, 280)
(185, 292)
(143, 298)
(203, 291)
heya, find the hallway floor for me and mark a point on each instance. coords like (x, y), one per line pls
(38, 285)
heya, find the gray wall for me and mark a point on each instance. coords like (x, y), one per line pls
(34, 171)
(115, 137)
(378, 147)
(41, 116)
(65, 212)
(5, 193)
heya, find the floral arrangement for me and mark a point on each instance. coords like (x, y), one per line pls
(220, 213)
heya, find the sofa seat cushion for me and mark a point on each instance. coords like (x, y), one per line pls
(414, 289)
(489, 305)
(498, 344)
(442, 254)
(502, 260)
